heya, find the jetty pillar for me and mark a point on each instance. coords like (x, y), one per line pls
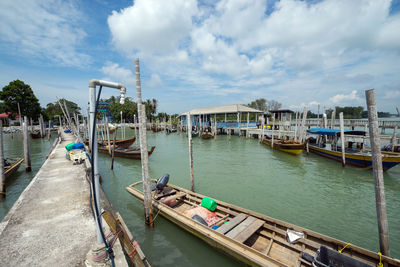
(143, 149)
(394, 138)
(27, 153)
(189, 131)
(342, 138)
(2, 175)
(378, 172)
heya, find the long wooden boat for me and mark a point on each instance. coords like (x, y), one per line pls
(13, 166)
(253, 238)
(35, 135)
(207, 135)
(195, 134)
(156, 129)
(288, 146)
(358, 156)
(132, 153)
(123, 143)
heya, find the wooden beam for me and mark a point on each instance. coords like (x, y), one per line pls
(232, 223)
(239, 228)
(249, 231)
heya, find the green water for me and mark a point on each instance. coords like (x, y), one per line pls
(309, 191)
(15, 184)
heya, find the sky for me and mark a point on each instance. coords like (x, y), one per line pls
(206, 53)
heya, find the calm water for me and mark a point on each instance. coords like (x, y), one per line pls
(308, 191)
(15, 184)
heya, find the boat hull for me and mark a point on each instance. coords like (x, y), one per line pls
(126, 153)
(13, 168)
(294, 149)
(363, 161)
(277, 251)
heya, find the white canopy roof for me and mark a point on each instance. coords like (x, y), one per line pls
(221, 109)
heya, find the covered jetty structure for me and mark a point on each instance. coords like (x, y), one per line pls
(222, 119)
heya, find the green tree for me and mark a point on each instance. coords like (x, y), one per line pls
(260, 104)
(19, 92)
(350, 112)
(53, 109)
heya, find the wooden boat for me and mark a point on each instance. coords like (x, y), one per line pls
(132, 153)
(288, 146)
(35, 135)
(12, 166)
(207, 135)
(353, 156)
(253, 238)
(195, 134)
(123, 143)
(156, 129)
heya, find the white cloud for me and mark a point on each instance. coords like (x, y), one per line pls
(155, 81)
(43, 29)
(152, 26)
(118, 74)
(298, 52)
(342, 99)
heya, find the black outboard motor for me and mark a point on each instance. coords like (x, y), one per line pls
(161, 183)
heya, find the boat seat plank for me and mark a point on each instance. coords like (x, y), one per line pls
(232, 223)
(247, 232)
(239, 228)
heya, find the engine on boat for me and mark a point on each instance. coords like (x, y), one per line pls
(161, 183)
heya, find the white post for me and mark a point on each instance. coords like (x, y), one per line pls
(189, 131)
(295, 127)
(262, 128)
(378, 172)
(135, 124)
(394, 138)
(333, 119)
(272, 131)
(342, 138)
(303, 123)
(143, 150)
(27, 153)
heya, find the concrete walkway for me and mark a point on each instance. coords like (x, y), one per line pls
(51, 223)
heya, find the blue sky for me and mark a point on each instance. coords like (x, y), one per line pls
(206, 53)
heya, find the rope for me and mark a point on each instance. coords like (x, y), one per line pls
(340, 251)
(155, 217)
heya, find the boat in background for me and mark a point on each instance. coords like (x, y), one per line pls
(36, 135)
(131, 153)
(11, 166)
(207, 135)
(356, 156)
(288, 146)
(253, 238)
(123, 143)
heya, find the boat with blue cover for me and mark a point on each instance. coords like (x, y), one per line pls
(327, 145)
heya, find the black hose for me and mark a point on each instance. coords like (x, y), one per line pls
(108, 248)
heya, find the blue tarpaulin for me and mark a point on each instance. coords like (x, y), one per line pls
(323, 131)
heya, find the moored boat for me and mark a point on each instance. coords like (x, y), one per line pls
(206, 135)
(132, 153)
(11, 166)
(195, 134)
(356, 156)
(288, 146)
(123, 143)
(253, 238)
(35, 135)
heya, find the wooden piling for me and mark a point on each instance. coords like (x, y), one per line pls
(48, 132)
(333, 115)
(272, 132)
(378, 172)
(394, 138)
(113, 149)
(108, 135)
(143, 149)
(2, 175)
(342, 138)
(189, 131)
(27, 154)
(303, 124)
(262, 128)
(41, 126)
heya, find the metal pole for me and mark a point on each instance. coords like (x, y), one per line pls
(342, 138)
(143, 149)
(92, 108)
(27, 153)
(378, 172)
(189, 131)
(2, 176)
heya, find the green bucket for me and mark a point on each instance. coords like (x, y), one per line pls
(209, 203)
(69, 146)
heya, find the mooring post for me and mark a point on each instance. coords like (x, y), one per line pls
(272, 132)
(40, 126)
(342, 138)
(262, 128)
(189, 131)
(113, 149)
(48, 132)
(27, 153)
(394, 138)
(333, 115)
(134, 123)
(108, 135)
(3, 175)
(295, 126)
(216, 126)
(378, 172)
(303, 123)
(143, 150)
